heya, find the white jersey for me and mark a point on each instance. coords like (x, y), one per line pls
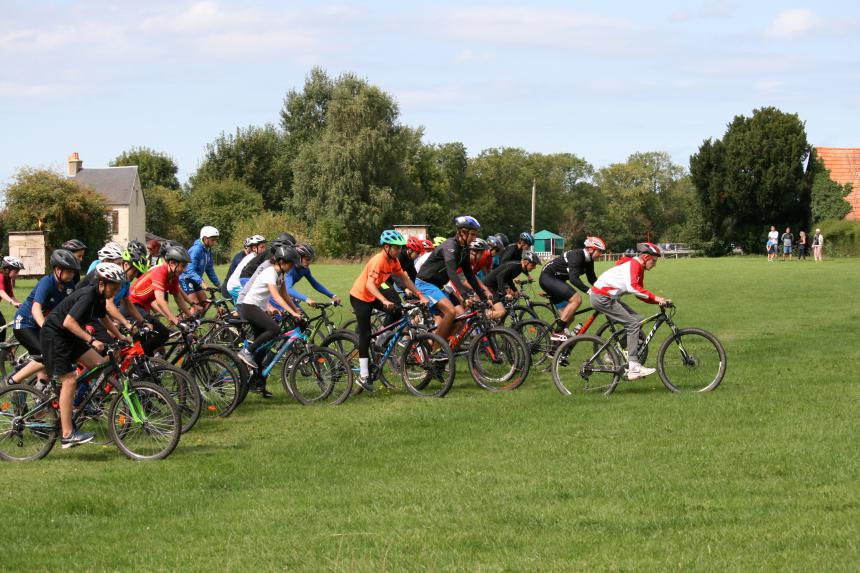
(419, 262)
(233, 280)
(624, 278)
(258, 294)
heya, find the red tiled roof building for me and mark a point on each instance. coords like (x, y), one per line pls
(844, 166)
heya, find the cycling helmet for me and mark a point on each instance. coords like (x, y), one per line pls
(438, 241)
(137, 249)
(177, 253)
(285, 253)
(479, 244)
(305, 250)
(208, 231)
(110, 272)
(503, 238)
(65, 260)
(73, 245)
(11, 262)
(391, 237)
(595, 243)
(166, 246)
(110, 252)
(286, 238)
(495, 242)
(415, 244)
(137, 255)
(428, 245)
(531, 257)
(527, 238)
(648, 249)
(254, 240)
(466, 222)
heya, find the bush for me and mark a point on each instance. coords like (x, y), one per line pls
(270, 224)
(841, 238)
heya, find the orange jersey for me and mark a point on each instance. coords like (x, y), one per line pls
(378, 268)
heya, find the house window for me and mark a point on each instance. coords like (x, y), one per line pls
(113, 221)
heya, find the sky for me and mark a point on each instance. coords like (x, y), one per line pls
(601, 80)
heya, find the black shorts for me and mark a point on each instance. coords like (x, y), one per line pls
(558, 290)
(61, 351)
(29, 339)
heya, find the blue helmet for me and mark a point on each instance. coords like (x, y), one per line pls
(466, 222)
(392, 237)
(527, 238)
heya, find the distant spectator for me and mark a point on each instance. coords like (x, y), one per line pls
(787, 241)
(817, 244)
(772, 239)
(801, 246)
(154, 248)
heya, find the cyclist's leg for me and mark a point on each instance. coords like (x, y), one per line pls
(29, 339)
(440, 302)
(622, 314)
(559, 291)
(61, 353)
(363, 310)
(393, 296)
(569, 311)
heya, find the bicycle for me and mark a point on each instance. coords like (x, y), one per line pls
(690, 359)
(143, 420)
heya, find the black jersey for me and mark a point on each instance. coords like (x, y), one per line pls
(511, 253)
(570, 266)
(502, 277)
(442, 264)
(85, 305)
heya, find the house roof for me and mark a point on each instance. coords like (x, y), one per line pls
(547, 235)
(115, 184)
(844, 166)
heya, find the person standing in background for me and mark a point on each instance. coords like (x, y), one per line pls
(787, 240)
(801, 246)
(817, 244)
(772, 240)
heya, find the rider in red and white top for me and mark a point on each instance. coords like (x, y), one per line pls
(627, 278)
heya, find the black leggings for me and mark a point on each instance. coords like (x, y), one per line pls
(264, 326)
(30, 339)
(363, 310)
(558, 290)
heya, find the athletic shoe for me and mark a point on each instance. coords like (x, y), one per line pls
(636, 371)
(248, 358)
(77, 438)
(365, 384)
(558, 336)
(264, 393)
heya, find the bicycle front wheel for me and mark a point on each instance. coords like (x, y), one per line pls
(28, 424)
(147, 425)
(693, 360)
(499, 360)
(582, 365)
(182, 390)
(427, 365)
(537, 336)
(319, 376)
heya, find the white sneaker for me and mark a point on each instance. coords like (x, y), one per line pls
(636, 371)
(558, 336)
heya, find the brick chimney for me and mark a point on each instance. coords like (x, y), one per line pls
(75, 164)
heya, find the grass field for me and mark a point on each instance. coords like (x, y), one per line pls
(763, 473)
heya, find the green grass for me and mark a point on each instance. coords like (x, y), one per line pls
(761, 474)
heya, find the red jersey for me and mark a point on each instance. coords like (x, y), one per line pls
(483, 263)
(143, 291)
(6, 284)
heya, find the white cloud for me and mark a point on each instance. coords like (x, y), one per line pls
(13, 90)
(467, 56)
(791, 24)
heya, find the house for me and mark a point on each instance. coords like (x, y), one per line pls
(120, 187)
(844, 166)
(407, 231)
(548, 243)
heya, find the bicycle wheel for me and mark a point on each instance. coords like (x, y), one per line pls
(240, 379)
(537, 336)
(94, 417)
(580, 366)
(318, 376)
(427, 366)
(28, 424)
(545, 311)
(607, 329)
(217, 382)
(499, 360)
(693, 360)
(518, 314)
(182, 389)
(147, 425)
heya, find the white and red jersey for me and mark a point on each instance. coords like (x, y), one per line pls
(624, 278)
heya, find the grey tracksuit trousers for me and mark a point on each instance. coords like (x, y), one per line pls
(621, 313)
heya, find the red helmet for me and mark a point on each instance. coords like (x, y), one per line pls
(648, 249)
(415, 244)
(428, 245)
(595, 243)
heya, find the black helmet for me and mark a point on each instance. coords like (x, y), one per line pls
(178, 254)
(166, 246)
(285, 253)
(305, 250)
(73, 245)
(65, 260)
(286, 238)
(531, 257)
(137, 250)
(503, 238)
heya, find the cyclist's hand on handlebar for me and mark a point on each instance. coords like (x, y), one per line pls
(98, 346)
(388, 305)
(335, 300)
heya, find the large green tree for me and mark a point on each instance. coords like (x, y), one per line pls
(753, 177)
(42, 199)
(828, 197)
(221, 204)
(153, 167)
(161, 191)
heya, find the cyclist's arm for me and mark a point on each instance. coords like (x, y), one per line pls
(636, 286)
(407, 282)
(38, 315)
(73, 326)
(132, 310)
(371, 287)
(160, 305)
(289, 281)
(319, 287)
(473, 281)
(111, 327)
(285, 301)
(114, 313)
(576, 267)
(210, 272)
(8, 298)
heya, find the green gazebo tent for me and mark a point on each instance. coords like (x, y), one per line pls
(548, 242)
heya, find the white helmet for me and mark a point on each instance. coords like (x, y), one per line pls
(11, 262)
(111, 252)
(110, 272)
(255, 240)
(208, 231)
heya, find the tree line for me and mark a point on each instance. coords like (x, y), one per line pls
(339, 165)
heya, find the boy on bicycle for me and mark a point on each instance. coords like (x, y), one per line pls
(627, 278)
(501, 281)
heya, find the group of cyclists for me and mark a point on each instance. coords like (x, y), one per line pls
(68, 318)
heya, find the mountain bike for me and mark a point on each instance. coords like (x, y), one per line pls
(689, 360)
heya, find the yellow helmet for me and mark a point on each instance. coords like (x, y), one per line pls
(438, 241)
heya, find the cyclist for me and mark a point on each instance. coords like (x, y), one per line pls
(255, 245)
(438, 241)
(64, 341)
(110, 253)
(569, 266)
(253, 264)
(202, 261)
(414, 249)
(303, 270)
(627, 278)
(151, 290)
(441, 266)
(515, 251)
(79, 249)
(501, 281)
(30, 317)
(11, 267)
(234, 262)
(365, 296)
(482, 253)
(253, 305)
(501, 243)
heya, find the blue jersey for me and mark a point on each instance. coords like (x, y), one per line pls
(297, 274)
(49, 292)
(201, 262)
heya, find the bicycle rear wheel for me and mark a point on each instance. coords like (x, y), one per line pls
(499, 360)
(427, 365)
(182, 389)
(318, 376)
(693, 360)
(580, 366)
(545, 311)
(28, 424)
(537, 335)
(147, 426)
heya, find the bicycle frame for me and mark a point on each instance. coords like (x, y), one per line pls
(658, 319)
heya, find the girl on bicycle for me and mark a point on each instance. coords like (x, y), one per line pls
(11, 267)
